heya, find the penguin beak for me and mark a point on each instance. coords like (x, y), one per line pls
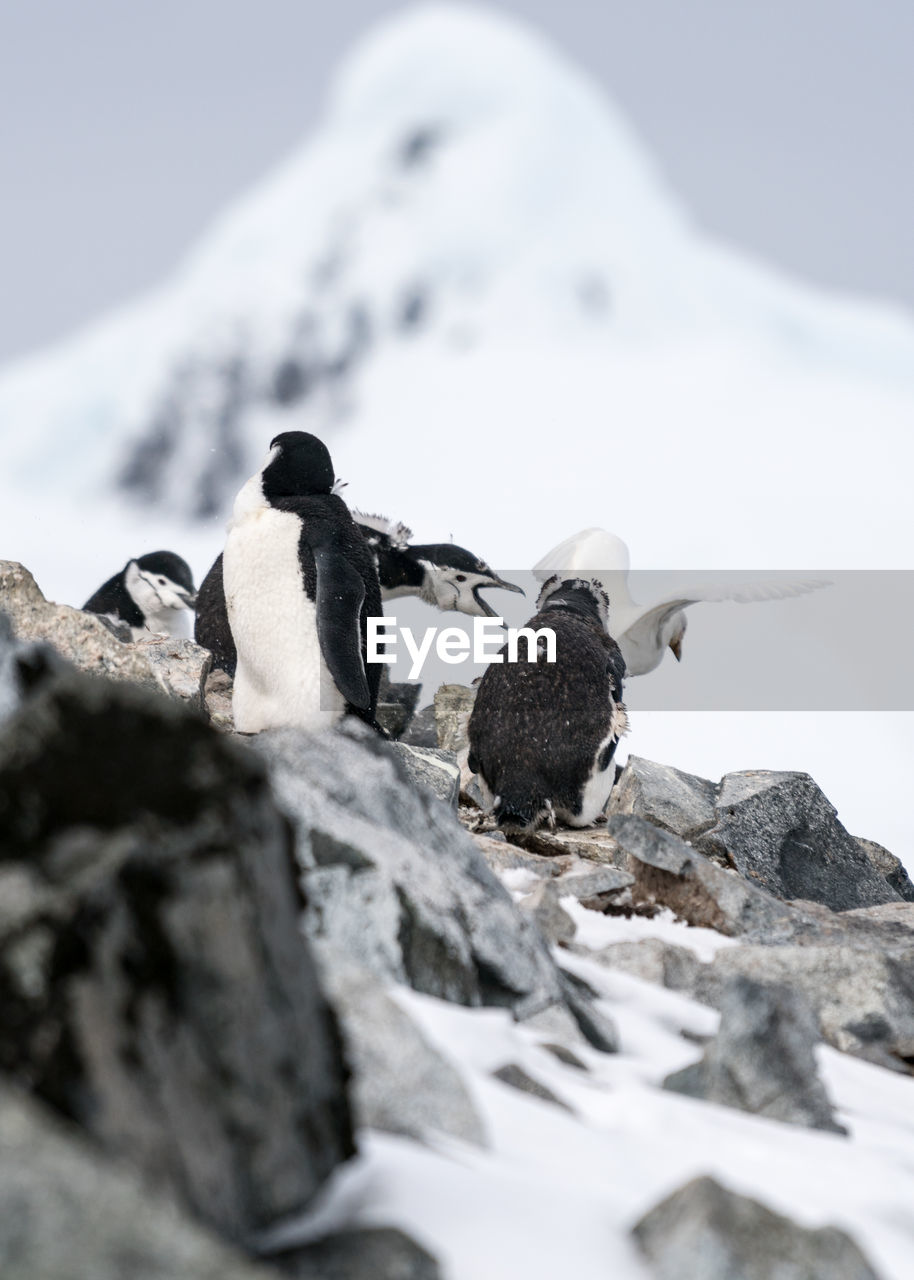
(676, 646)
(189, 598)
(495, 581)
(484, 607)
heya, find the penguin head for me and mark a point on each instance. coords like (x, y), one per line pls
(453, 578)
(299, 465)
(584, 596)
(160, 583)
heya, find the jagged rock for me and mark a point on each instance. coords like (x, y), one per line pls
(565, 1055)
(422, 730)
(704, 1231)
(554, 922)
(393, 881)
(863, 998)
(182, 666)
(889, 867)
(392, 717)
(362, 1253)
(781, 831)
(66, 1211)
(81, 638)
(453, 705)
(503, 856)
(400, 1083)
(653, 960)
(435, 771)
(679, 802)
(670, 873)
(762, 1059)
(153, 982)
(591, 884)
(519, 1079)
(217, 695)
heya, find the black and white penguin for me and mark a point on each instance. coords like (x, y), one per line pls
(300, 582)
(153, 594)
(543, 734)
(442, 574)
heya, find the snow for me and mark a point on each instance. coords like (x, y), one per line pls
(557, 1193)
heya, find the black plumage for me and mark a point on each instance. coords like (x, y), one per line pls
(542, 735)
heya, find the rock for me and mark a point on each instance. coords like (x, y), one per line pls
(394, 882)
(518, 1078)
(403, 694)
(502, 856)
(565, 1055)
(706, 1232)
(863, 998)
(422, 730)
(453, 705)
(400, 1083)
(678, 802)
(551, 917)
(182, 666)
(592, 885)
(670, 873)
(66, 1211)
(217, 695)
(434, 770)
(23, 668)
(889, 867)
(653, 960)
(762, 1059)
(81, 638)
(362, 1253)
(780, 830)
(153, 980)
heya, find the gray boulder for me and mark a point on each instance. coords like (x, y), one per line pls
(679, 802)
(669, 873)
(181, 665)
(431, 769)
(762, 1059)
(67, 1211)
(400, 1083)
(81, 638)
(422, 730)
(153, 979)
(393, 881)
(780, 830)
(453, 706)
(704, 1231)
(863, 998)
(889, 867)
(362, 1253)
(517, 1078)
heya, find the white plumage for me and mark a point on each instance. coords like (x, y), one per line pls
(644, 632)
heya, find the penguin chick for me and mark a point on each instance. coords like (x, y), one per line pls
(442, 574)
(152, 594)
(300, 583)
(543, 734)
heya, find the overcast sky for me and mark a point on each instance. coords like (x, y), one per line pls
(786, 125)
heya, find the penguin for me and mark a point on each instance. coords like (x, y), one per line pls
(442, 574)
(543, 734)
(152, 594)
(300, 582)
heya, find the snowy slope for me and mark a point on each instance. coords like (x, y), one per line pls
(474, 284)
(557, 1193)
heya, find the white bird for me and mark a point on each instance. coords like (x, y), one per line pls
(645, 632)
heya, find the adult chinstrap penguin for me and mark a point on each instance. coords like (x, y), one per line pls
(300, 583)
(153, 594)
(442, 574)
(543, 734)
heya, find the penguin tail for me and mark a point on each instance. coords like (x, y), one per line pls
(521, 811)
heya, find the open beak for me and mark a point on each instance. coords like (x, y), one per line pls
(494, 581)
(676, 646)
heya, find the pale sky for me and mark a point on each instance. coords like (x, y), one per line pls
(785, 125)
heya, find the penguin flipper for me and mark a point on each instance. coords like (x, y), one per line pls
(339, 599)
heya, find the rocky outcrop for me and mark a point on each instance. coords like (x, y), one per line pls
(67, 1211)
(154, 987)
(707, 1232)
(762, 1059)
(392, 881)
(363, 1253)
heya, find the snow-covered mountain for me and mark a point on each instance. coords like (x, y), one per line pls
(473, 282)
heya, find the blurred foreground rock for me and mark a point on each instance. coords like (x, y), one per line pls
(153, 981)
(704, 1231)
